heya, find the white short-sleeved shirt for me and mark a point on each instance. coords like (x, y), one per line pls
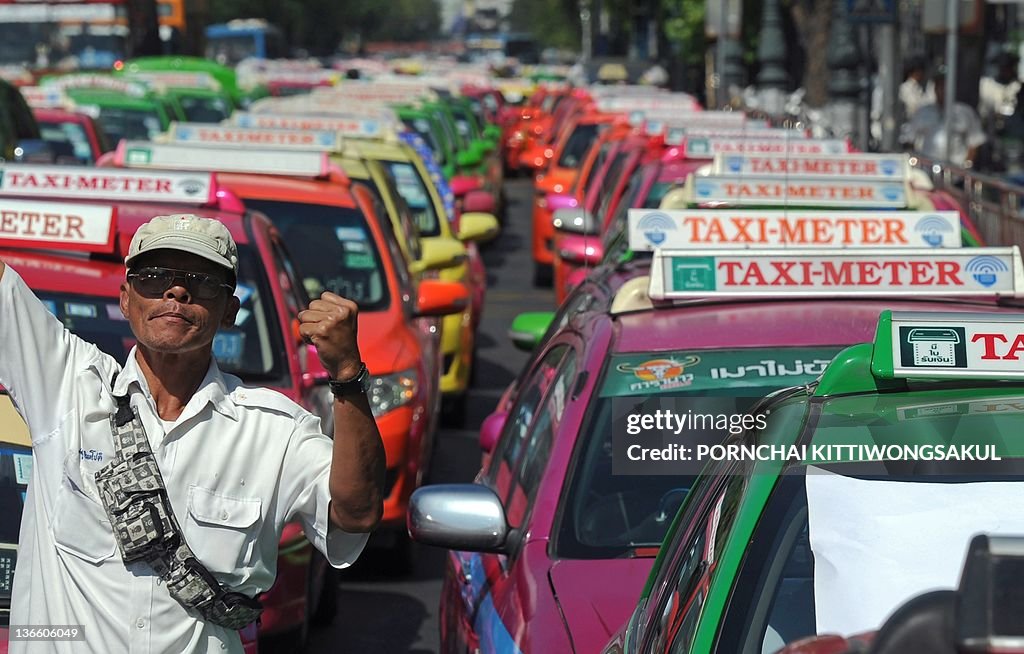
(238, 464)
(927, 131)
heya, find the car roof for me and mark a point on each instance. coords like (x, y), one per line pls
(769, 323)
(272, 187)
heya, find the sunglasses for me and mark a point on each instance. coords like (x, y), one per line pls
(154, 281)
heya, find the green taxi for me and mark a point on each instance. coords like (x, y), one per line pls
(862, 490)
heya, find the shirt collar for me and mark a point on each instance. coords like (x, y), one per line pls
(212, 389)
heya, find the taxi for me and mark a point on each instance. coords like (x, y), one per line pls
(124, 114)
(240, 93)
(74, 136)
(570, 152)
(553, 511)
(896, 456)
(350, 248)
(96, 211)
(397, 170)
(198, 94)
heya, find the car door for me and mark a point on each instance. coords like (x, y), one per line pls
(514, 473)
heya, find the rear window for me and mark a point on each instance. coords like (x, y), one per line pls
(204, 110)
(133, 124)
(69, 142)
(338, 251)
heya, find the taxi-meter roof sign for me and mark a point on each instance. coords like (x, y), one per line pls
(349, 126)
(262, 161)
(107, 184)
(221, 135)
(880, 166)
(706, 148)
(724, 228)
(56, 225)
(798, 191)
(948, 345)
(818, 272)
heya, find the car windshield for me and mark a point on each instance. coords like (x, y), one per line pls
(251, 349)
(132, 124)
(339, 252)
(577, 146)
(204, 109)
(843, 534)
(414, 191)
(608, 514)
(15, 468)
(68, 140)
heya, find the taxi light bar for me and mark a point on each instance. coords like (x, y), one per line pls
(57, 226)
(699, 147)
(818, 272)
(90, 81)
(799, 191)
(177, 79)
(355, 126)
(261, 161)
(79, 183)
(681, 133)
(39, 97)
(932, 345)
(709, 228)
(206, 134)
(881, 166)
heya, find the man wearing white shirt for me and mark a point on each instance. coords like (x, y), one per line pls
(236, 463)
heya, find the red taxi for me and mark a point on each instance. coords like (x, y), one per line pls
(348, 246)
(82, 291)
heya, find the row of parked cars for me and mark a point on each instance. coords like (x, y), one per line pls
(345, 189)
(844, 317)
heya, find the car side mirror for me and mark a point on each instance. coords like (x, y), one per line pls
(490, 430)
(477, 227)
(438, 254)
(465, 517)
(575, 221)
(528, 329)
(440, 298)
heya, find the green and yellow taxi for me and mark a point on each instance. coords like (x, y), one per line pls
(855, 493)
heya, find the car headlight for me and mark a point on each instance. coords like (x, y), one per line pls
(388, 392)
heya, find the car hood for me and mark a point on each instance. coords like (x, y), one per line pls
(593, 608)
(383, 343)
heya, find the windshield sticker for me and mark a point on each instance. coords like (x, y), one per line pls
(640, 374)
(228, 347)
(79, 310)
(359, 261)
(22, 468)
(350, 233)
(355, 246)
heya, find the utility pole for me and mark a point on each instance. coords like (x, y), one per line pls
(772, 79)
(586, 42)
(844, 83)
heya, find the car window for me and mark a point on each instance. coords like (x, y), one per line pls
(610, 181)
(339, 251)
(536, 446)
(576, 147)
(413, 189)
(520, 418)
(68, 140)
(677, 623)
(619, 221)
(132, 124)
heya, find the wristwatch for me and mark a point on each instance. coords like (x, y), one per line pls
(358, 384)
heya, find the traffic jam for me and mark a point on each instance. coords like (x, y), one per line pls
(772, 405)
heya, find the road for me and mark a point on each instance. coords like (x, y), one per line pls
(379, 613)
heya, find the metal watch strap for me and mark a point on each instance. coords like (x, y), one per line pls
(135, 499)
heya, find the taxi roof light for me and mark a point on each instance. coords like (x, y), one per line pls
(259, 161)
(827, 273)
(867, 166)
(800, 191)
(204, 134)
(707, 147)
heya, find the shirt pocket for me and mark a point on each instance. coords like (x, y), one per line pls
(80, 525)
(222, 530)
